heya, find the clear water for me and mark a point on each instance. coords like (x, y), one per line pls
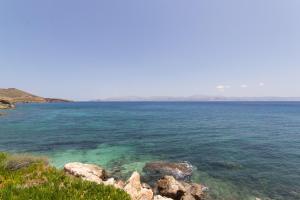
(241, 150)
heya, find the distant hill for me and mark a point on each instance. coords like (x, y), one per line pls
(10, 96)
(196, 98)
(14, 95)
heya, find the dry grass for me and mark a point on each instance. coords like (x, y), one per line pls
(19, 161)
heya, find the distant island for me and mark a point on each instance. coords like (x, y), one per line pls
(9, 97)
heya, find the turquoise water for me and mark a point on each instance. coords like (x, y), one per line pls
(240, 150)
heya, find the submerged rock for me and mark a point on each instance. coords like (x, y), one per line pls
(156, 170)
(168, 186)
(89, 172)
(135, 189)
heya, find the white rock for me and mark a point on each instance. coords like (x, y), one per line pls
(89, 172)
(110, 181)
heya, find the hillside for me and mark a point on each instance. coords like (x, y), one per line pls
(14, 95)
(10, 96)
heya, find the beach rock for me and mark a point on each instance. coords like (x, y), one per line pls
(89, 172)
(158, 197)
(168, 186)
(135, 189)
(156, 170)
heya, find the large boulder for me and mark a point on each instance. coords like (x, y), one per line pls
(135, 189)
(156, 170)
(89, 172)
(168, 186)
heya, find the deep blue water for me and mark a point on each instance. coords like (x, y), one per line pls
(241, 150)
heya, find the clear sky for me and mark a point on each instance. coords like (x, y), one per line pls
(94, 49)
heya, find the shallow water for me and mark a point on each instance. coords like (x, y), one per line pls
(241, 150)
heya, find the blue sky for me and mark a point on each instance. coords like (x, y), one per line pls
(95, 49)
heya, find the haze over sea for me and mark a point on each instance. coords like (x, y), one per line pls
(240, 150)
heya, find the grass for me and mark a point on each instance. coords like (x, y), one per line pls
(25, 177)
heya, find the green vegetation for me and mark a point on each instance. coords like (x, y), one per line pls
(27, 177)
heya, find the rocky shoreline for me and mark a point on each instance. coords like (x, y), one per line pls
(171, 181)
(5, 104)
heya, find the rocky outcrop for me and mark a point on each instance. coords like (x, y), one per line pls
(168, 186)
(156, 170)
(87, 172)
(5, 104)
(135, 189)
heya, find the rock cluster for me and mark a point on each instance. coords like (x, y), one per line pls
(166, 188)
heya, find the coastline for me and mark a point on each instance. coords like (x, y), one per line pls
(171, 184)
(136, 142)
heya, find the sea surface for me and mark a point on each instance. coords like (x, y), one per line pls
(240, 150)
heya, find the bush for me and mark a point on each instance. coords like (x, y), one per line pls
(25, 177)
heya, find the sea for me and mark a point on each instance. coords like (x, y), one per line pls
(239, 150)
